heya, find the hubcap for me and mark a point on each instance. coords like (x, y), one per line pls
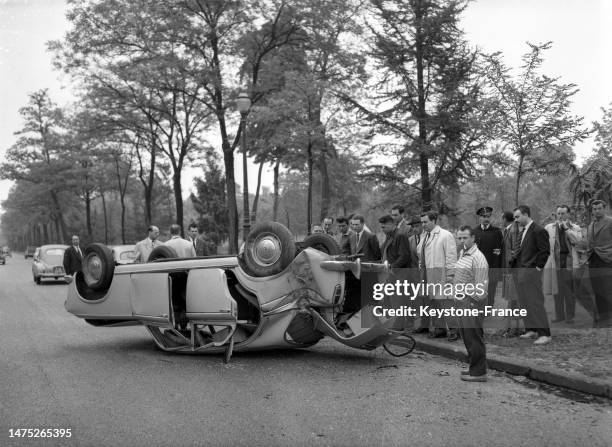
(266, 250)
(93, 269)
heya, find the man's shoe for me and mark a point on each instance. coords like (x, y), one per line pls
(465, 372)
(543, 340)
(529, 334)
(420, 330)
(454, 336)
(469, 378)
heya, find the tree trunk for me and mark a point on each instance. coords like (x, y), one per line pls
(88, 216)
(122, 218)
(276, 192)
(105, 217)
(230, 185)
(519, 174)
(178, 198)
(59, 215)
(256, 200)
(309, 201)
(325, 188)
(426, 196)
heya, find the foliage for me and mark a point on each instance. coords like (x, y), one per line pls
(532, 116)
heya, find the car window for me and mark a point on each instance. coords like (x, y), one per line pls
(127, 255)
(54, 252)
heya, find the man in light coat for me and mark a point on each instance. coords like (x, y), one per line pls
(437, 258)
(558, 277)
(145, 247)
(182, 247)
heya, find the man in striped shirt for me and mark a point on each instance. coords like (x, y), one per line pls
(471, 277)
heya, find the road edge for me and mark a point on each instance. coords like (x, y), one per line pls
(515, 367)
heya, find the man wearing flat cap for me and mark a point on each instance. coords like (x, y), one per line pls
(490, 240)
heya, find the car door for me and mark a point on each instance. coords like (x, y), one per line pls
(150, 297)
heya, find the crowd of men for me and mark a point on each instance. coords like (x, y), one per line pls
(529, 260)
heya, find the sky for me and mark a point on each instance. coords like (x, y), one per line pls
(581, 32)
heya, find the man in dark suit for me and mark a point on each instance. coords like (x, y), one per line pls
(198, 244)
(489, 240)
(396, 247)
(532, 249)
(361, 241)
(73, 256)
(599, 240)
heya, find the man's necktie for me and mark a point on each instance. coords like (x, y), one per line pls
(194, 244)
(520, 236)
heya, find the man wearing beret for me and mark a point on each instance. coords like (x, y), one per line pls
(490, 241)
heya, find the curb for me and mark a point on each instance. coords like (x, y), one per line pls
(510, 365)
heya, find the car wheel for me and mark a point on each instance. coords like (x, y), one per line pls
(322, 242)
(302, 330)
(162, 252)
(98, 267)
(268, 250)
(37, 280)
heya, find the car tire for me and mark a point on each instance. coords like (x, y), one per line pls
(268, 250)
(162, 252)
(322, 242)
(302, 330)
(98, 267)
(37, 280)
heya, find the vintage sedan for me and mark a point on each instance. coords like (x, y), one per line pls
(269, 296)
(48, 263)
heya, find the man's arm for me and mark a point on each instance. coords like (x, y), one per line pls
(405, 256)
(374, 247)
(574, 234)
(543, 248)
(450, 254)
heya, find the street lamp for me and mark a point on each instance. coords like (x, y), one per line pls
(244, 104)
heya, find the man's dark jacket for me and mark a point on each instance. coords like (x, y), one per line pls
(72, 260)
(396, 250)
(488, 240)
(368, 246)
(535, 249)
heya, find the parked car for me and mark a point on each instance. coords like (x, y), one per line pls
(29, 251)
(6, 251)
(123, 254)
(267, 297)
(48, 263)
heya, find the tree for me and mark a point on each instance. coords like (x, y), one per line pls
(533, 117)
(209, 200)
(37, 157)
(594, 179)
(426, 93)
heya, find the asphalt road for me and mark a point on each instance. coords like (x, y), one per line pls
(112, 386)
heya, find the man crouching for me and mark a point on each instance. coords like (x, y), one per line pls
(472, 268)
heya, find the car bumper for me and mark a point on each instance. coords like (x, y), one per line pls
(53, 275)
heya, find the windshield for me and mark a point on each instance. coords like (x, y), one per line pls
(53, 255)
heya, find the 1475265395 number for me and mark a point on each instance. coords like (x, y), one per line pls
(40, 432)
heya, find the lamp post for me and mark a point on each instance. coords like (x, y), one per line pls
(244, 104)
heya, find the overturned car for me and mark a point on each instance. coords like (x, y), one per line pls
(272, 295)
